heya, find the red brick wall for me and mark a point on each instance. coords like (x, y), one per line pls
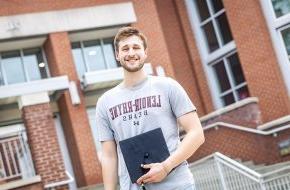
(178, 51)
(32, 6)
(199, 74)
(45, 150)
(239, 144)
(243, 145)
(248, 115)
(74, 119)
(146, 18)
(257, 57)
(148, 22)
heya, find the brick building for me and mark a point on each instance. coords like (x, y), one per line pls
(56, 59)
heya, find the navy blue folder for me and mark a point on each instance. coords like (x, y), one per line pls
(146, 148)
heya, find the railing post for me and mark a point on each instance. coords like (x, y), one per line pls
(262, 185)
(220, 171)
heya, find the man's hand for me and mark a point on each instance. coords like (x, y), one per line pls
(156, 173)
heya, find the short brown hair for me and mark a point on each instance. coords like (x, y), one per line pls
(127, 32)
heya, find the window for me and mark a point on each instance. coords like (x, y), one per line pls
(218, 51)
(286, 39)
(281, 7)
(22, 66)
(94, 55)
(277, 14)
(231, 81)
(214, 23)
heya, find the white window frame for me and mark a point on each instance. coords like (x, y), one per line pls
(27, 78)
(87, 67)
(275, 26)
(84, 57)
(233, 88)
(208, 58)
(91, 35)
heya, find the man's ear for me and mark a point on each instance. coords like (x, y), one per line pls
(146, 52)
(117, 56)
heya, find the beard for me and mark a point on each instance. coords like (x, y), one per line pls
(135, 68)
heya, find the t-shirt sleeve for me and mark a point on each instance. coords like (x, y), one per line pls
(179, 100)
(105, 132)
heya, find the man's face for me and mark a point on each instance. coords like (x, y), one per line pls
(131, 54)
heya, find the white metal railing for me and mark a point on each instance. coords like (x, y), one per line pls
(218, 172)
(247, 129)
(216, 125)
(15, 157)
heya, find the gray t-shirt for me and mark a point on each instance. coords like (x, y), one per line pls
(154, 103)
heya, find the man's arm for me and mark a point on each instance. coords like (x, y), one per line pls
(109, 165)
(193, 139)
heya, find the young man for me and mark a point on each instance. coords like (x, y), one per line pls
(139, 104)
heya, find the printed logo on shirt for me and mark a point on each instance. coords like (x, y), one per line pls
(139, 105)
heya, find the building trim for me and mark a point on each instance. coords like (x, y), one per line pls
(274, 26)
(206, 57)
(229, 108)
(48, 85)
(32, 24)
(106, 78)
(22, 43)
(33, 99)
(20, 183)
(11, 130)
(274, 123)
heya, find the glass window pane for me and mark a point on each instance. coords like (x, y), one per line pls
(202, 9)
(13, 68)
(210, 37)
(34, 64)
(286, 38)
(228, 99)
(1, 78)
(109, 53)
(222, 76)
(224, 28)
(281, 7)
(94, 55)
(243, 93)
(78, 59)
(236, 69)
(217, 5)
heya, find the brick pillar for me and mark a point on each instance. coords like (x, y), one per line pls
(194, 57)
(42, 137)
(258, 60)
(183, 53)
(74, 118)
(149, 24)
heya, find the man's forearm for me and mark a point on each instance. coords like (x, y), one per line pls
(191, 142)
(110, 171)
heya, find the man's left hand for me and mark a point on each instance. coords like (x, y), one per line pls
(156, 173)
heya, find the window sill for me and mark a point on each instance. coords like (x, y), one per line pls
(20, 183)
(107, 78)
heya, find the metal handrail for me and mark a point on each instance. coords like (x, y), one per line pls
(238, 166)
(242, 169)
(202, 160)
(275, 171)
(246, 129)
